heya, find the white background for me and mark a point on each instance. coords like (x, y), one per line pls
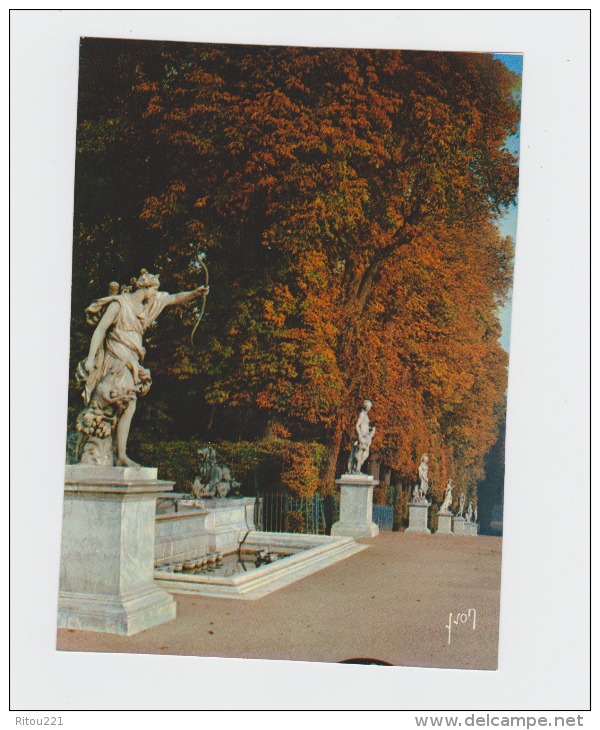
(544, 637)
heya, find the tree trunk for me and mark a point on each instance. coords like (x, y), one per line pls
(375, 464)
(334, 445)
(385, 475)
(211, 418)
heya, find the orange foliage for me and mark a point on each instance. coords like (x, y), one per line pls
(346, 199)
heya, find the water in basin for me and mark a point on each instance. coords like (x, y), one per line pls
(228, 565)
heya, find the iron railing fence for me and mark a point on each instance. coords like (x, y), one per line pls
(284, 512)
(383, 516)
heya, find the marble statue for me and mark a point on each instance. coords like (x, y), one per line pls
(362, 445)
(112, 375)
(475, 514)
(469, 516)
(215, 479)
(420, 490)
(424, 476)
(446, 504)
(461, 504)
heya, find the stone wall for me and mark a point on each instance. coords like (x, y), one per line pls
(217, 525)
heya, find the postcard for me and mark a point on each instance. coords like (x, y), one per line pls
(290, 326)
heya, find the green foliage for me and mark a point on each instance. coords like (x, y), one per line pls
(177, 461)
(265, 465)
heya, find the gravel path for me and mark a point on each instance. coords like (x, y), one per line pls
(390, 602)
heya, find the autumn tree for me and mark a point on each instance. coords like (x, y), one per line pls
(346, 199)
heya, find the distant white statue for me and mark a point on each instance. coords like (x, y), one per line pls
(362, 445)
(461, 504)
(420, 490)
(424, 475)
(447, 503)
(470, 512)
(475, 514)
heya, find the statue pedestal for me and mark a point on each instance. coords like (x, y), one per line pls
(417, 517)
(444, 523)
(460, 526)
(356, 506)
(471, 528)
(107, 555)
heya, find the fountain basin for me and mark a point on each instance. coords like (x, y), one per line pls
(298, 556)
(216, 525)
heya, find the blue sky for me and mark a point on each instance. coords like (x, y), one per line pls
(513, 61)
(508, 224)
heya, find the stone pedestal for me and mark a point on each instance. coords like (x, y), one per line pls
(444, 523)
(417, 517)
(459, 526)
(471, 528)
(356, 506)
(107, 555)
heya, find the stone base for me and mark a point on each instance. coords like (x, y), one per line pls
(310, 553)
(107, 555)
(350, 529)
(229, 520)
(119, 615)
(459, 526)
(417, 517)
(471, 528)
(356, 507)
(213, 526)
(180, 536)
(444, 524)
